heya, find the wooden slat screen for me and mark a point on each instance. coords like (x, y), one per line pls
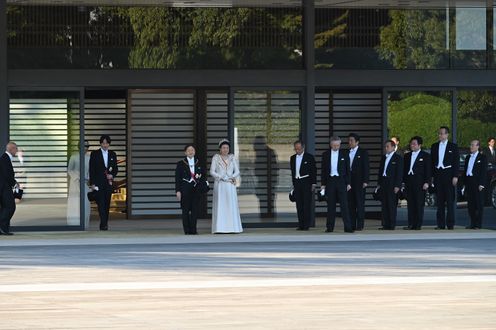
(161, 122)
(217, 129)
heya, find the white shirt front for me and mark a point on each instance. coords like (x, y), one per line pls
(491, 149)
(352, 155)
(388, 158)
(191, 163)
(105, 157)
(299, 159)
(441, 152)
(10, 156)
(334, 162)
(471, 163)
(412, 161)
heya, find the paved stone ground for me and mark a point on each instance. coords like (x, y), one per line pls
(263, 279)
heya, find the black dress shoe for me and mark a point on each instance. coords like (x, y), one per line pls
(6, 233)
(299, 228)
(416, 228)
(450, 228)
(381, 228)
(407, 228)
(329, 231)
(305, 229)
(470, 227)
(439, 228)
(103, 228)
(349, 231)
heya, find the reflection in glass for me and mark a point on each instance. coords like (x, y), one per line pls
(476, 116)
(266, 125)
(46, 128)
(418, 113)
(147, 37)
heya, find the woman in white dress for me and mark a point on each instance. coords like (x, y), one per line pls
(73, 198)
(225, 209)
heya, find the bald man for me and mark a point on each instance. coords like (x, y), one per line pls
(7, 183)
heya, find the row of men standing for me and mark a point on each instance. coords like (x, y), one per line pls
(345, 177)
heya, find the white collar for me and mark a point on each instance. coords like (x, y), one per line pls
(416, 152)
(443, 143)
(474, 154)
(10, 155)
(389, 154)
(104, 151)
(300, 155)
(354, 149)
(191, 160)
(335, 151)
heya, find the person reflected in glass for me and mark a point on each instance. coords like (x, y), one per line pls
(73, 197)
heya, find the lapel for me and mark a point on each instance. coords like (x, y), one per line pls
(446, 152)
(417, 160)
(100, 152)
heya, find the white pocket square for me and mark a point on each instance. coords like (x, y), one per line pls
(358, 156)
(393, 163)
(478, 161)
(342, 158)
(450, 151)
(421, 160)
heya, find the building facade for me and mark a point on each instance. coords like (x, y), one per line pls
(161, 74)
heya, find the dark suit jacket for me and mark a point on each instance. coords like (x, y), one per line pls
(479, 171)
(490, 158)
(422, 168)
(394, 170)
(7, 175)
(97, 168)
(307, 167)
(343, 166)
(360, 167)
(182, 172)
(451, 158)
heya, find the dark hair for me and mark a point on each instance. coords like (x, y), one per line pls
(418, 138)
(446, 128)
(225, 143)
(189, 145)
(392, 143)
(298, 142)
(491, 138)
(355, 136)
(105, 137)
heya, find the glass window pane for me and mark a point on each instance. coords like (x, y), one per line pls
(148, 37)
(266, 125)
(469, 48)
(420, 113)
(46, 128)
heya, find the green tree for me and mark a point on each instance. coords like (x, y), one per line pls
(414, 39)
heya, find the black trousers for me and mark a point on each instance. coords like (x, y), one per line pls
(336, 191)
(7, 208)
(303, 194)
(475, 201)
(389, 204)
(415, 197)
(445, 193)
(103, 197)
(190, 206)
(356, 201)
